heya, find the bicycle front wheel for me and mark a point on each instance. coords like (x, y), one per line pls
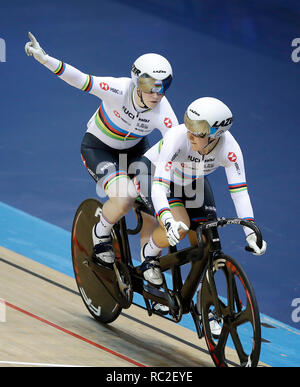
(227, 289)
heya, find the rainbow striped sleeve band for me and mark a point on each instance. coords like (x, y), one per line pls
(113, 178)
(175, 202)
(233, 188)
(162, 212)
(160, 181)
(60, 68)
(88, 84)
(249, 219)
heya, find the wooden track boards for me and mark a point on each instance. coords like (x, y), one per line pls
(46, 323)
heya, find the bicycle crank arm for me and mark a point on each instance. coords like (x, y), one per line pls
(122, 286)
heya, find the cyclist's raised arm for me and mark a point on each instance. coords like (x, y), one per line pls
(74, 77)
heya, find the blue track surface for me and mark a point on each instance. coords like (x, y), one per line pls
(237, 51)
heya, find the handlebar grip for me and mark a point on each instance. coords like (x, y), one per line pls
(259, 240)
(223, 222)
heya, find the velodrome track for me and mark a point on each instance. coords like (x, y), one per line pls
(48, 325)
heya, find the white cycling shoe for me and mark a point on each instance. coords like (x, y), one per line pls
(160, 308)
(154, 277)
(151, 269)
(214, 324)
(103, 248)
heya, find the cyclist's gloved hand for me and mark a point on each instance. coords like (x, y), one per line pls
(251, 239)
(33, 48)
(172, 229)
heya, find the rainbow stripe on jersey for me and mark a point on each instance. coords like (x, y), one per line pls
(113, 177)
(233, 188)
(88, 84)
(162, 212)
(60, 68)
(182, 175)
(109, 128)
(160, 181)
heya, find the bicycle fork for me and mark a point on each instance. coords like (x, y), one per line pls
(214, 252)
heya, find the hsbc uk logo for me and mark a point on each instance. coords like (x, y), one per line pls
(104, 86)
(168, 122)
(232, 157)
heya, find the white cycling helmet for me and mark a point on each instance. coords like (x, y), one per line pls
(208, 116)
(152, 73)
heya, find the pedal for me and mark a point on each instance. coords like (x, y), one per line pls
(102, 264)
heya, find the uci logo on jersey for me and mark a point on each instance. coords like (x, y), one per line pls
(126, 111)
(223, 123)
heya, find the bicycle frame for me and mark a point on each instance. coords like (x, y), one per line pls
(200, 257)
(107, 290)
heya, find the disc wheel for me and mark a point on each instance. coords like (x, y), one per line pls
(97, 285)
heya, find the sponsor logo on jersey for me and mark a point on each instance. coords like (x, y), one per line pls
(232, 157)
(144, 120)
(126, 111)
(195, 159)
(168, 122)
(117, 114)
(104, 86)
(117, 91)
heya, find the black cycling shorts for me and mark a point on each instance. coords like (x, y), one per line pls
(106, 164)
(199, 205)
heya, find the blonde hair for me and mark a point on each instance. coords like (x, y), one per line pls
(197, 127)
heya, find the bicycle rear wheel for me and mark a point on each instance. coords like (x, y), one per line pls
(240, 340)
(98, 286)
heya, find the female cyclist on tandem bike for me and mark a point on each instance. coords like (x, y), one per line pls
(226, 292)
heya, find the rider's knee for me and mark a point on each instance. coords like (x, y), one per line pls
(122, 204)
(122, 188)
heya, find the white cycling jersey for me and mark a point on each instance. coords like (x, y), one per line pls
(118, 122)
(176, 162)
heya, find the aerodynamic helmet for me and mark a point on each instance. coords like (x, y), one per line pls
(152, 73)
(208, 116)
